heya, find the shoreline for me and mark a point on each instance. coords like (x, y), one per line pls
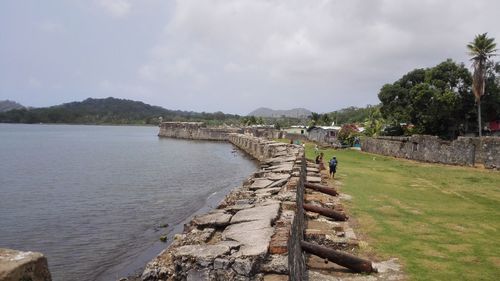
(139, 263)
(254, 232)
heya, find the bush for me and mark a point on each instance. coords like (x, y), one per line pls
(347, 134)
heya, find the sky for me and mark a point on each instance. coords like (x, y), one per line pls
(232, 56)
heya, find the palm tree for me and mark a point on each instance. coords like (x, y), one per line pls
(480, 50)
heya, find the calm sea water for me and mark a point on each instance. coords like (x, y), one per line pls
(92, 198)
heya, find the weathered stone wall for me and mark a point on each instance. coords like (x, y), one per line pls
(199, 131)
(487, 151)
(16, 266)
(465, 151)
(268, 133)
(255, 231)
(292, 136)
(195, 131)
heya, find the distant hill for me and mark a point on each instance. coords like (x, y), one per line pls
(6, 105)
(106, 111)
(267, 112)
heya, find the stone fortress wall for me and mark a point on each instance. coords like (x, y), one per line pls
(254, 233)
(465, 151)
(195, 131)
(199, 131)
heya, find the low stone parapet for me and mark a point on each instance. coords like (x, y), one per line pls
(17, 265)
(255, 231)
(464, 151)
(195, 131)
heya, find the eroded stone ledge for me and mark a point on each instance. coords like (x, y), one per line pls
(254, 232)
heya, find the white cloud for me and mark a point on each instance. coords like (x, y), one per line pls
(117, 8)
(50, 27)
(280, 51)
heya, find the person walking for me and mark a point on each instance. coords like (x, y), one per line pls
(333, 167)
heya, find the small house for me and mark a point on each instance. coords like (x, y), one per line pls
(326, 135)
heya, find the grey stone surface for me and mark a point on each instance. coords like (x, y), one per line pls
(17, 265)
(260, 183)
(277, 160)
(252, 228)
(279, 183)
(221, 263)
(212, 219)
(253, 235)
(202, 251)
(263, 212)
(313, 179)
(285, 167)
(268, 190)
(275, 264)
(276, 176)
(312, 170)
(243, 266)
(198, 275)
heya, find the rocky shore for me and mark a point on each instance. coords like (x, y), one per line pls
(251, 234)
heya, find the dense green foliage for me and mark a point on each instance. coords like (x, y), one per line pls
(347, 115)
(252, 120)
(438, 100)
(347, 134)
(110, 111)
(352, 114)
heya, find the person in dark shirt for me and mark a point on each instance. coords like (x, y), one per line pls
(333, 167)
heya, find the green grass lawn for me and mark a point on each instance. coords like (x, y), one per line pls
(441, 221)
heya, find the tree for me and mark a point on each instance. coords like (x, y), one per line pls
(374, 123)
(314, 117)
(481, 49)
(348, 134)
(435, 100)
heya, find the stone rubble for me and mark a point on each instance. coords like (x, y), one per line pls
(247, 236)
(336, 235)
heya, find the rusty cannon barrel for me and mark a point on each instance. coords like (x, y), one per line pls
(344, 259)
(327, 212)
(322, 188)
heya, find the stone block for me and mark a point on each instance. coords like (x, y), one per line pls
(217, 219)
(243, 266)
(17, 265)
(260, 183)
(313, 179)
(275, 264)
(198, 275)
(254, 237)
(202, 252)
(221, 263)
(267, 213)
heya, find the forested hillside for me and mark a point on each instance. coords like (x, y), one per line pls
(108, 111)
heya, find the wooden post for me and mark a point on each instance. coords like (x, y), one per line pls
(322, 188)
(326, 212)
(347, 260)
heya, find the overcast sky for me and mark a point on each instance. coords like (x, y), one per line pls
(232, 56)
